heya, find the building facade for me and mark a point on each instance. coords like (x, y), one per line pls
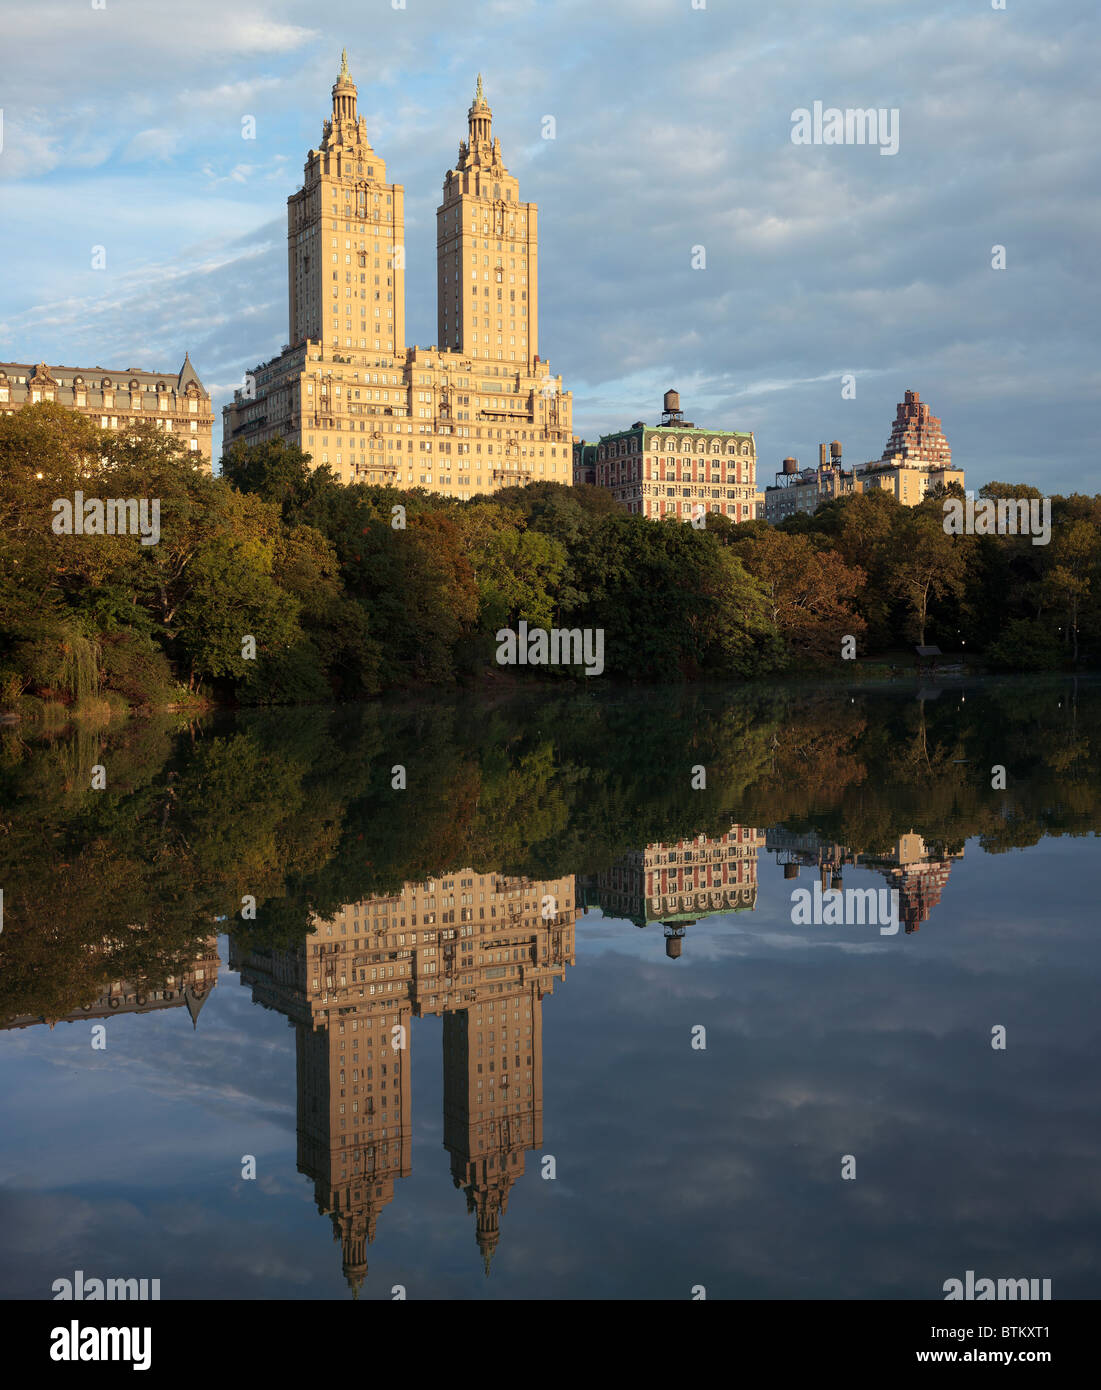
(803, 490)
(915, 461)
(480, 411)
(917, 457)
(175, 402)
(673, 469)
(676, 884)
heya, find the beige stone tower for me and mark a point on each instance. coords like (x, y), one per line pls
(476, 412)
(346, 240)
(486, 253)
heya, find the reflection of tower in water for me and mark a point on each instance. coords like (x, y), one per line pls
(918, 871)
(493, 1101)
(481, 950)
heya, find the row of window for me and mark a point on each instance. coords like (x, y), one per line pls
(671, 445)
(47, 393)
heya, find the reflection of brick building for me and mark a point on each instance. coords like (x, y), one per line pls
(679, 883)
(493, 1108)
(190, 988)
(481, 950)
(919, 872)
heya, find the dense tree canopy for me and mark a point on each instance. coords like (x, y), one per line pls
(275, 583)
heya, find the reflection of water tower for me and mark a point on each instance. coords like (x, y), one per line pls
(674, 938)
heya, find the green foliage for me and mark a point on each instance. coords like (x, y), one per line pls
(135, 668)
(350, 591)
(1027, 644)
(295, 807)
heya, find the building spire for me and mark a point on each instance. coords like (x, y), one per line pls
(480, 120)
(344, 93)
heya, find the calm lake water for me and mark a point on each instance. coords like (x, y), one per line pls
(523, 1012)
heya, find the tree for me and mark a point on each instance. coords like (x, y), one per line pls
(811, 592)
(861, 527)
(928, 564)
(1075, 554)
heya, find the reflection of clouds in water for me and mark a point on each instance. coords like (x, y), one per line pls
(675, 1166)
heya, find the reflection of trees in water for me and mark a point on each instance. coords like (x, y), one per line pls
(297, 808)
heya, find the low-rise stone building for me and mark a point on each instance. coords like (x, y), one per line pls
(176, 402)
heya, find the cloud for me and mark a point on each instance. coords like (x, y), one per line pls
(673, 130)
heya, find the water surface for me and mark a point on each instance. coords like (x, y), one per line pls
(583, 898)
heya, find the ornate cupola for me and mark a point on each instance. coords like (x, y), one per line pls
(344, 93)
(480, 119)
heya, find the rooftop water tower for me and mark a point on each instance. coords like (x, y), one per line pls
(671, 411)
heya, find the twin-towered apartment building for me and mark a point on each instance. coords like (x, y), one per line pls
(477, 412)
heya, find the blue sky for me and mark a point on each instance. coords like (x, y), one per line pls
(122, 129)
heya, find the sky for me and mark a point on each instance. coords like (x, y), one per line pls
(123, 129)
